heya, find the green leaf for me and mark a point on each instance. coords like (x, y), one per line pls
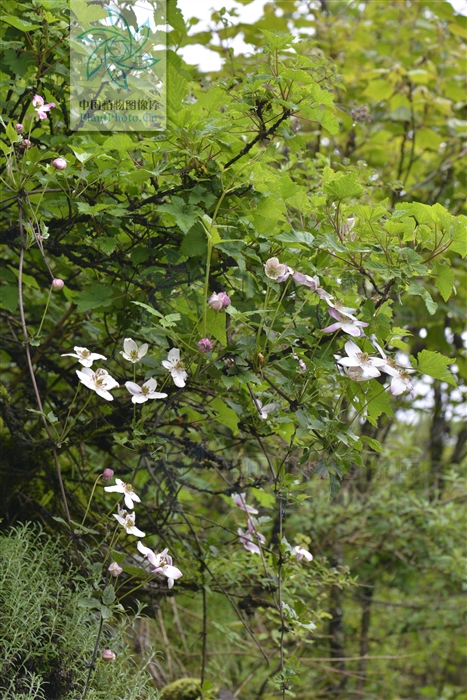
(378, 402)
(108, 596)
(9, 297)
(374, 444)
(226, 415)
(435, 365)
(444, 280)
(185, 215)
(344, 186)
(20, 24)
(94, 297)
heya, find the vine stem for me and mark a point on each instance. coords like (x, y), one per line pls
(35, 387)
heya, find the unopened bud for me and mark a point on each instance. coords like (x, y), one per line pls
(260, 358)
(25, 143)
(59, 163)
(107, 474)
(204, 345)
(108, 655)
(115, 569)
(218, 301)
(19, 128)
(57, 284)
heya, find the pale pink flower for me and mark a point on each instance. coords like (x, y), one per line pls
(301, 553)
(218, 301)
(246, 538)
(276, 271)
(99, 381)
(114, 569)
(352, 327)
(84, 356)
(132, 352)
(358, 358)
(127, 490)
(162, 562)
(108, 655)
(140, 394)
(40, 107)
(240, 502)
(175, 367)
(127, 521)
(341, 309)
(312, 283)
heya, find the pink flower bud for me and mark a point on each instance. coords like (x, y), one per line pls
(204, 345)
(19, 128)
(57, 284)
(107, 474)
(108, 655)
(115, 569)
(218, 301)
(25, 143)
(59, 163)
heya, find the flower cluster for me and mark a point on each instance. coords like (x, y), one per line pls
(162, 562)
(358, 365)
(251, 534)
(102, 383)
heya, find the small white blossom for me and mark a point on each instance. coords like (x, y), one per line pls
(84, 356)
(400, 378)
(162, 562)
(175, 367)
(263, 411)
(140, 394)
(352, 327)
(99, 381)
(127, 521)
(132, 352)
(358, 358)
(127, 490)
(115, 569)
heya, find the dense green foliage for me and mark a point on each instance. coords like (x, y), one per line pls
(47, 633)
(338, 149)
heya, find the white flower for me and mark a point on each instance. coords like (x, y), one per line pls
(264, 410)
(99, 381)
(301, 553)
(140, 394)
(127, 490)
(84, 356)
(115, 569)
(162, 563)
(132, 352)
(175, 367)
(127, 521)
(357, 358)
(240, 502)
(400, 378)
(276, 271)
(341, 309)
(352, 327)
